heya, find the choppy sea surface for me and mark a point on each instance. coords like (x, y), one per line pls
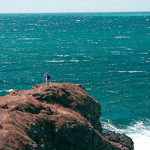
(108, 53)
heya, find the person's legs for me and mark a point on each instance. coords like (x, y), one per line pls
(47, 81)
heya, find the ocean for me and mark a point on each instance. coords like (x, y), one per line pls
(108, 53)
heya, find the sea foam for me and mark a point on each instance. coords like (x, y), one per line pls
(138, 131)
(6, 90)
(131, 71)
(55, 61)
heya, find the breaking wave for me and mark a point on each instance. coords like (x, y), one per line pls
(139, 131)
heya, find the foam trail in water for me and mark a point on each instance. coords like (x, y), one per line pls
(6, 90)
(131, 71)
(7, 82)
(139, 132)
(62, 55)
(122, 37)
(55, 61)
(74, 60)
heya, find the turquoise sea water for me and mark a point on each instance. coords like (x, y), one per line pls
(108, 53)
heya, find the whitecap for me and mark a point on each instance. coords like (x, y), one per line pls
(129, 49)
(29, 39)
(55, 61)
(74, 60)
(136, 71)
(89, 40)
(131, 71)
(34, 54)
(32, 24)
(95, 42)
(115, 52)
(91, 57)
(113, 92)
(122, 37)
(6, 90)
(7, 82)
(61, 55)
(144, 53)
(122, 71)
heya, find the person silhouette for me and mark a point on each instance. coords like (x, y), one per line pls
(47, 78)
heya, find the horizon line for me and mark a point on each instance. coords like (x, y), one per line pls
(74, 12)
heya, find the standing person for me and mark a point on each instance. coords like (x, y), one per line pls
(47, 78)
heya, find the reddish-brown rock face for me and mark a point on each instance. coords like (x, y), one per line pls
(61, 116)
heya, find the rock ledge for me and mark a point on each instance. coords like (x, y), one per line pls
(57, 117)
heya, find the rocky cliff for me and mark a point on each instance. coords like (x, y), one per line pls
(61, 116)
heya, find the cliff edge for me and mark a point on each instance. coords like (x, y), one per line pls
(61, 116)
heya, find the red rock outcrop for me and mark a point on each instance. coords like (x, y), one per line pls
(61, 116)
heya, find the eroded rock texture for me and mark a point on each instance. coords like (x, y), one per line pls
(61, 116)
